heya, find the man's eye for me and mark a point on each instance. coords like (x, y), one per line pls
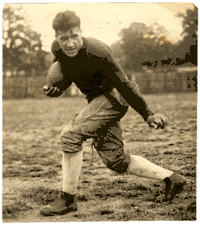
(64, 38)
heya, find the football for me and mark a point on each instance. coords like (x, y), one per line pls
(55, 77)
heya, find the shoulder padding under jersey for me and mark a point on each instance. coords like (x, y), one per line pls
(96, 47)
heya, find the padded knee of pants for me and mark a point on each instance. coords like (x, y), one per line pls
(116, 162)
(121, 165)
(70, 141)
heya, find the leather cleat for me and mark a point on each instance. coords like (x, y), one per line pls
(173, 186)
(66, 204)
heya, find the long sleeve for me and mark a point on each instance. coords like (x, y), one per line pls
(129, 90)
(57, 78)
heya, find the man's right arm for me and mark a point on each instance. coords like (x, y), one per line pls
(57, 82)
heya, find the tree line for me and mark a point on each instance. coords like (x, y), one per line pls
(141, 46)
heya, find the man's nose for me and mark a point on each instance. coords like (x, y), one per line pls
(70, 43)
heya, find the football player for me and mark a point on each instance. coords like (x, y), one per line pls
(90, 64)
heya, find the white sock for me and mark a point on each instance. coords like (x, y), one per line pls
(144, 168)
(71, 168)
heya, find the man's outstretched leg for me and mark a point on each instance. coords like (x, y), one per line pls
(174, 182)
(71, 168)
(111, 150)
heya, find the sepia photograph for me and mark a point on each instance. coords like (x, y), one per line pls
(99, 111)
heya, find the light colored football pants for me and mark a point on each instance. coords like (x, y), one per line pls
(99, 120)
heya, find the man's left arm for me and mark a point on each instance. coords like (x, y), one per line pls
(130, 92)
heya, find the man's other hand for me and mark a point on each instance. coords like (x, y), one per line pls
(157, 121)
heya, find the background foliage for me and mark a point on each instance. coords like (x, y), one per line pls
(148, 46)
(22, 47)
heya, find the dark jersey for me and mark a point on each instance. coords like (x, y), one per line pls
(95, 71)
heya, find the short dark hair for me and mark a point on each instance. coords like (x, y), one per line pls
(66, 20)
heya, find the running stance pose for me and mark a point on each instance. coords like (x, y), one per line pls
(89, 63)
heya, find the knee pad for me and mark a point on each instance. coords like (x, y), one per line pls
(121, 165)
(118, 163)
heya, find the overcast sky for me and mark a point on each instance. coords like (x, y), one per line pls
(104, 20)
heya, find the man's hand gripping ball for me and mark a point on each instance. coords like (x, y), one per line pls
(157, 121)
(51, 91)
(55, 83)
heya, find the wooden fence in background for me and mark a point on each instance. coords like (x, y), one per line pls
(167, 80)
(149, 82)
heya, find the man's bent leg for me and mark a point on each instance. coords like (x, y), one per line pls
(71, 168)
(110, 147)
(71, 145)
(97, 115)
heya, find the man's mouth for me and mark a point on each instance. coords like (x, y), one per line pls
(71, 49)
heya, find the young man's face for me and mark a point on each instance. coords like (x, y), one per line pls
(70, 41)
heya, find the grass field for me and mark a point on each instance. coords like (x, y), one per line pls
(32, 162)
